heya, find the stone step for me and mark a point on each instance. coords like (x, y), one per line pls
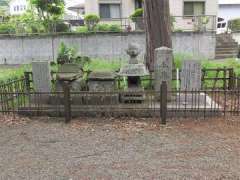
(224, 56)
(226, 46)
(226, 51)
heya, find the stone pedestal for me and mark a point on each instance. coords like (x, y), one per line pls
(163, 67)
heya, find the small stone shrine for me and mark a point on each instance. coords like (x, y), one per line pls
(133, 72)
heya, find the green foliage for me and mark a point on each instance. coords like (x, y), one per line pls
(114, 28)
(82, 29)
(66, 54)
(7, 29)
(235, 25)
(99, 28)
(62, 27)
(7, 74)
(28, 23)
(137, 13)
(101, 65)
(108, 28)
(91, 21)
(49, 10)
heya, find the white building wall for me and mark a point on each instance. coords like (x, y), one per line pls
(17, 7)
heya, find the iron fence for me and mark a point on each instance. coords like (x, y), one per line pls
(179, 24)
(163, 104)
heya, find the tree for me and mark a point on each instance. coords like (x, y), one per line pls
(158, 28)
(49, 9)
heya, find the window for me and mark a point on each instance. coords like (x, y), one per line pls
(194, 8)
(109, 10)
(138, 4)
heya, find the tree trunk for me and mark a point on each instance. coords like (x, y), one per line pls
(158, 28)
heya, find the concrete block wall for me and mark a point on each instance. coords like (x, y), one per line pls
(25, 49)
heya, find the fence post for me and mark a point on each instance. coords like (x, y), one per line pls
(27, 81)
(163, 102)
(67, 102)
(231, 79)
(225, 77)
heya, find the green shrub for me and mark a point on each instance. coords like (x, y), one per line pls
(235, 25)
(7, 29)
(108, 28)
(82, 29)
(91, 21)
(115, 28)
(137, 14)
(62, 27)
(66, 54)
(102, 27)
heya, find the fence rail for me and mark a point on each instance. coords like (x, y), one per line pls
(179, 23)
(164, 104)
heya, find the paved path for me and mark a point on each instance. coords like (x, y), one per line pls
(97, 149)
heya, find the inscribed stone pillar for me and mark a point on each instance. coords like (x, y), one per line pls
(41, 76)
(191, 76)
(163, 67)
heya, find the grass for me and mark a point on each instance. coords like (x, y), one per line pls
(101, 65)
(12, 73)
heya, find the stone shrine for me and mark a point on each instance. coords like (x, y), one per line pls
(133, 71)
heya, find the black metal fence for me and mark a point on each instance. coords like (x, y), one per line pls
(164, 104)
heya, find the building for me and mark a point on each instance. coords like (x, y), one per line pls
(229, 9)
(17, 7)
(189, 14)
(124, 8)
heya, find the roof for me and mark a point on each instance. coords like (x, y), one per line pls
(77, 6)
(223, 2)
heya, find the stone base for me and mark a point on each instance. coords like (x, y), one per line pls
(86, 100)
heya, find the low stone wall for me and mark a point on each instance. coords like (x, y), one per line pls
(25, 49)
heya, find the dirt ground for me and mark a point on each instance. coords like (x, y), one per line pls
(48, 149)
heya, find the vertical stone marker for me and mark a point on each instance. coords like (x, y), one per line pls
(191, 76)
(163, 67)
(41, 76)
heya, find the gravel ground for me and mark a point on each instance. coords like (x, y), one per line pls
(118, 149)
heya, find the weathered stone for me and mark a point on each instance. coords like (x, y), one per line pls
(41, 76)
(163, 67)
(101, 81)
(69, 72)
(134, 70)
(133, 51)
(191, 76)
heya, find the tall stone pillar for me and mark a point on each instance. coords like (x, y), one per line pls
(41, 76)
(163, 67)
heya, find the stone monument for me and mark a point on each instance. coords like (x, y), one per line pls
(41, 76)
(133, 71)
(101, 81)
(163, 67)
(71, 74)
(191, 75)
